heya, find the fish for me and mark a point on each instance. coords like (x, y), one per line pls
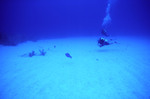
(68, 55)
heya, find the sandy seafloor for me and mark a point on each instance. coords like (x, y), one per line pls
(117, 71)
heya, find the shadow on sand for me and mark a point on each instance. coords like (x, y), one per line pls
(106, 50)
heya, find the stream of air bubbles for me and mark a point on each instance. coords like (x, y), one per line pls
(107, 19)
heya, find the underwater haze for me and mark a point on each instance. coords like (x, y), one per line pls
(74, 49)
(52, 18)
(34, 19)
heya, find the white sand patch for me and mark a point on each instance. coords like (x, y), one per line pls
(118, 71)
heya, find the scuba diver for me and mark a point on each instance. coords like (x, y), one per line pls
(102, 42)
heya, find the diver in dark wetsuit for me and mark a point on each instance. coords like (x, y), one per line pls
(102, 42)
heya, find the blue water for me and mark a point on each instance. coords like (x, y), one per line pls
(35, 19)
(49, 49)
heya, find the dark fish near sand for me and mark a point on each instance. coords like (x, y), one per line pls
(68, 55)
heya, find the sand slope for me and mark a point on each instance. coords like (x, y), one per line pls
(118, 71)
